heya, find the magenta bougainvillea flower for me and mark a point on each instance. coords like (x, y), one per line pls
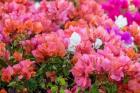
(130, 9)
(136, 3)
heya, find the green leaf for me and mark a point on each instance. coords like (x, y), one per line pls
(126, 79)
(41, 70)
(87, 91)
(62, 91)
(49, 85)
(2, 63)
(59, 65)
(94, 89)
(31, 57)
(2, 84)
(32, 84)
(12, 84)
(79, 90)
(54, 89)
(114, 88)
(42, 85)
(111, 88)
(61, 81)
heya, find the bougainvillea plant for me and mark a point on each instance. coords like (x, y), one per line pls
(70, 46)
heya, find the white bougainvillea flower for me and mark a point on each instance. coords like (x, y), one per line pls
(98, 43)
(121, 21)
(37, 5)
(75, 40)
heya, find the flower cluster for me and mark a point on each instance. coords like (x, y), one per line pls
(22, 69)
(70, 46)
(127, 8)
(45, 45)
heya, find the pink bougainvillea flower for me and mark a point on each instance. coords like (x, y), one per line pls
(44, 45)
(83, 82)
(17, 56)
(37, 27)
(3, 90)
(84, 47)
(117, 75)
(21, 1)
(23, 69)
(2, 49)
(134, 85)
(82, 69)
(7, 73)
(98, 38)
(28, 46)
(17, 69)
(68, 91)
